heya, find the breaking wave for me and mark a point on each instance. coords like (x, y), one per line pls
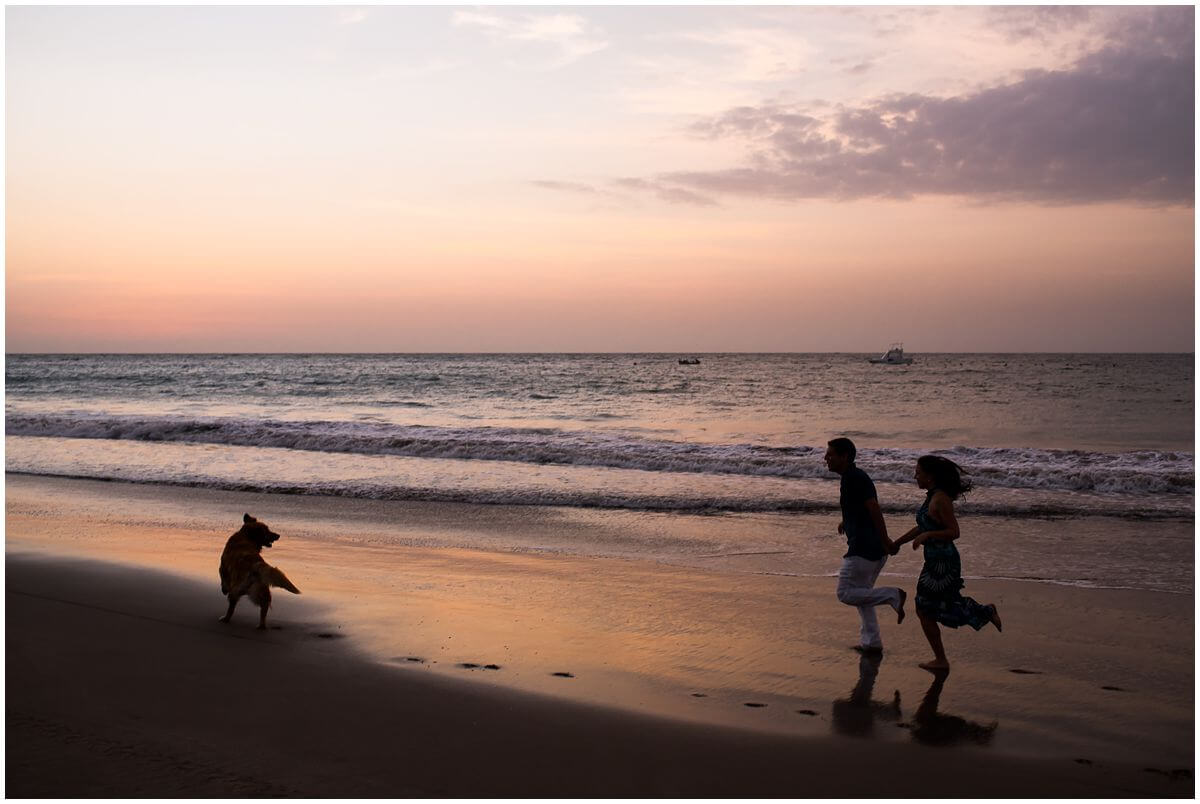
(1099, 473)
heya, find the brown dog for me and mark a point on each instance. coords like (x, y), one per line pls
(243, 571)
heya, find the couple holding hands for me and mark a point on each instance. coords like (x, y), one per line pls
(939, 598)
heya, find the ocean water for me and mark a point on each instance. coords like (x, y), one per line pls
(1045, 438)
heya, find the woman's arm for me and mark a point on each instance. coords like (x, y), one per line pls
(941, 508)
(906, 538)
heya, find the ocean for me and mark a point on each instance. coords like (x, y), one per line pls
(1083, 463)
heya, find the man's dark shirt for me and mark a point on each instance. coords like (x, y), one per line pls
(864, 542)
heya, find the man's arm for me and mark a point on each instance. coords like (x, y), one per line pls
(880, 526)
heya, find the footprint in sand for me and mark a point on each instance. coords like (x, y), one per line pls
(469, 666)
(491, 667)
(327, 635)
(1115, 689)
(1174, 775)
(808, 712)
(408, 659)
(699, 695)
(1021, 672)
(753, 705)
(564, 675)
(1084, 761)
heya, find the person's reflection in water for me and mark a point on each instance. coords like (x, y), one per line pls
(933, 728)
(855, 716)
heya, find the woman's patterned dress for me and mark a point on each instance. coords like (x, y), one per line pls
(938, 594)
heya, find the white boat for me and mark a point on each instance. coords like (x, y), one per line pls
(893, 356)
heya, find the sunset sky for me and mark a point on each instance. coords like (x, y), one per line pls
(573, 178)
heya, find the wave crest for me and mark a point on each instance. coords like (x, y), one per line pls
(1142, 472)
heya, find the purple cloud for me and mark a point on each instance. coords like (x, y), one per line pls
(668, 193)
(565, 186)
(1036, 22)
(1117, 126)
(673, 195)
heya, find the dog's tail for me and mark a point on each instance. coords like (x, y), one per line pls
(275, 577)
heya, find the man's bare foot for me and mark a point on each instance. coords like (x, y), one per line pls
(900, 608)
(935, 665)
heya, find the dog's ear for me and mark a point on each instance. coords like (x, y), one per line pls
(247, 519)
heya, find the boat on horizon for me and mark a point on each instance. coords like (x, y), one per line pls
(894, 356)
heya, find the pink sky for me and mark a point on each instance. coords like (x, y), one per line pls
(583, 179)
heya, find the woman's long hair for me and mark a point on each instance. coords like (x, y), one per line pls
(947, 475)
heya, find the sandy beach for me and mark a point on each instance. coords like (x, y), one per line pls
(612, 677)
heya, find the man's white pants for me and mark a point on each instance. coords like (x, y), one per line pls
(856, 587)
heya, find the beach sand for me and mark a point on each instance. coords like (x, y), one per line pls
(613, 677)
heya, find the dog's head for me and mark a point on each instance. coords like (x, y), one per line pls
(257, 531)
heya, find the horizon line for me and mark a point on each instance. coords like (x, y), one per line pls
(534, 352)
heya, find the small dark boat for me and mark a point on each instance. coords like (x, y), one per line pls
(689, 361)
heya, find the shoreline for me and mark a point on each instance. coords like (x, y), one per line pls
(692, 647)
(791, 544)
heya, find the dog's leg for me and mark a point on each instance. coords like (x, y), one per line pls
(233, 599)
(264, 603)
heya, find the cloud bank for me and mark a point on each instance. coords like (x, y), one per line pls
(1117, 126)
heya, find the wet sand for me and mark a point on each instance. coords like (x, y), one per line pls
(434, 671)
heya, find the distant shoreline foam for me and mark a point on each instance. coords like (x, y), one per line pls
(1160, 472)
(533, 496)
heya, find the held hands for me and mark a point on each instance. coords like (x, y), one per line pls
(841, 528)
(920, 539)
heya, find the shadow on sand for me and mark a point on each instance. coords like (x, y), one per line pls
(931, 727)
(855, 716)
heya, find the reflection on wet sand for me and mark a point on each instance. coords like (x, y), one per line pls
(855, 716)
(935, 728)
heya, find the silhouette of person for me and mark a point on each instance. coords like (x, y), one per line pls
(868, 546)
(939, 596)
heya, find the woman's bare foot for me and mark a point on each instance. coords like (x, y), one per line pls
(996, 617)
(935, 665)
(900, 608)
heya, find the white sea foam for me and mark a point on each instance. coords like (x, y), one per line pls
(1119, 473)
(617, 499)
